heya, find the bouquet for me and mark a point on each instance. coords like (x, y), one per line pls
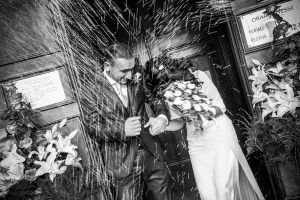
(187, 98)
(26, 153)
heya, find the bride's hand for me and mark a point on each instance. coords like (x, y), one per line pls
(193, 129)
(203, 124)
(207, 123)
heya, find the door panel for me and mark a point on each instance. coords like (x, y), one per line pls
(28, 49)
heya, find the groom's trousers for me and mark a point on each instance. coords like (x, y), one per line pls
(145, 170)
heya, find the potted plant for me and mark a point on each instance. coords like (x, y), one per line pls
(274, 131)
(36, 164)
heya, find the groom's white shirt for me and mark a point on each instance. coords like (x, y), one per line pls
(122, 91)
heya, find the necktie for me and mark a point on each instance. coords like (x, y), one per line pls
(122, 93)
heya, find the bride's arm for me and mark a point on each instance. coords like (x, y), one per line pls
(175, 124)
(210, 90)
(176, 120)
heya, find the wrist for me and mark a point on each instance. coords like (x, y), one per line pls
(165, 118)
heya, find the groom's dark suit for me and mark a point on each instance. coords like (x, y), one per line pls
(107, 120)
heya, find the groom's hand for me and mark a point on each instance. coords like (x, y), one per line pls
(157, 125)
(133, 126)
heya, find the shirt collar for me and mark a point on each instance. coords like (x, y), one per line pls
(110, 80)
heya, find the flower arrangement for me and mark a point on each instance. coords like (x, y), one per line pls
(187, 97)
(161, 71)
(27, 154)
(170, 79)
(272, 86)
(274, 131)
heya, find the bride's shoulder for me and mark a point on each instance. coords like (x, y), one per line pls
(202, 75)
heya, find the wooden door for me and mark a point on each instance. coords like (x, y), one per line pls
(30, 56)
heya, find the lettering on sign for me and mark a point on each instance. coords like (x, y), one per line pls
(42, 90)
(258, 27)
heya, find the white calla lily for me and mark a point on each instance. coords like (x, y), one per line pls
(54, 128)
(50, 166)
(48, 135)
(12, 158)
(268, 107)
(73, 160)
(64, 144)
(259, 76)
(259, 97)
(276, 70)
(288, 102)
(62, 123)
(16, 171)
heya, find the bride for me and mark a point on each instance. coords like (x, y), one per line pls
(220, 168)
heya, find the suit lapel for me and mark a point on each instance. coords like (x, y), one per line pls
(115, 95)
(135, 98)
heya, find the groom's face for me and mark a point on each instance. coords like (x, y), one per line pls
(122, 69)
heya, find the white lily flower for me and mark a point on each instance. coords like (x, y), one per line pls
(266, 109)
(50, 166)
(50, 147)
(12, 158)
(259, 97)
(48, 136)
(269, 107)
(16, 171)
(282, 84)
(259, 76)
(73, 160)
(64, 144)
(62, 123)
(54, 128)
(288, 102)
(276, 70)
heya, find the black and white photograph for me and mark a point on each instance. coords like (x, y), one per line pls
(150, 99)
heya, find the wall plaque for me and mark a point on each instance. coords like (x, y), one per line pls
(257, 28)
(42, 90)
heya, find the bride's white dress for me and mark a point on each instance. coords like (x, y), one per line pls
(220, 168)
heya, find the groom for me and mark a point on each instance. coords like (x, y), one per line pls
(132, 152)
